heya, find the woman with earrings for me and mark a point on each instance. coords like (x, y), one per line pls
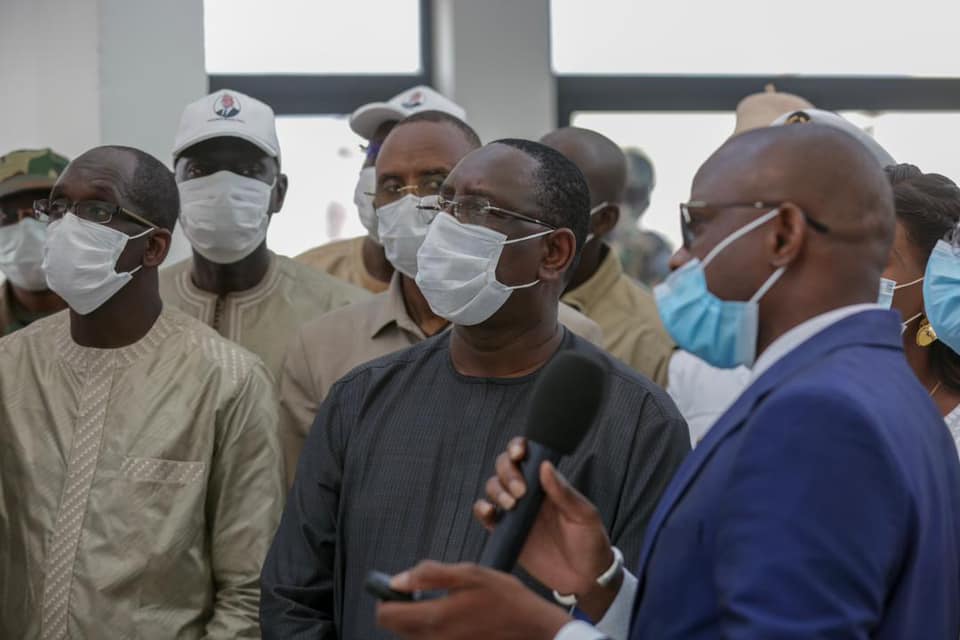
(922, 282)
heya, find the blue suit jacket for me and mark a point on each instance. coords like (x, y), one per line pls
(825, 503)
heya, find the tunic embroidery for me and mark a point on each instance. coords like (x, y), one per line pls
(84, 454)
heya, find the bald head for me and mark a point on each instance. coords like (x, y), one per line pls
(599, 159)
(830, 175)
(133, 179)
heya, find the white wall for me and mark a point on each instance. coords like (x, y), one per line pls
(49, 74)
(79, 73)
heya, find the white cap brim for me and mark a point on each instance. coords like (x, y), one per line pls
(263, 145)
(367, 119)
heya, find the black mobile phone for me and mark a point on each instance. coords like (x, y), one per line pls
(378, 584)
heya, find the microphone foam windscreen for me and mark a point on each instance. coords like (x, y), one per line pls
(565, 401)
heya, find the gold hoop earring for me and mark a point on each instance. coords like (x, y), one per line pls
(926, 336)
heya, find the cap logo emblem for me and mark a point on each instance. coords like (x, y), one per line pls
(226, 106)
(415, 99)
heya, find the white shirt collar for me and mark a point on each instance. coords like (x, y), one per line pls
(801, 333)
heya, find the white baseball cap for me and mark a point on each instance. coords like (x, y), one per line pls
(367, 119)
(835, 120)
(228, 114)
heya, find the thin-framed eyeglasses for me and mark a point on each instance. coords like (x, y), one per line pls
(478, 211)
(428, 186)
(96, 211)
(686, 219)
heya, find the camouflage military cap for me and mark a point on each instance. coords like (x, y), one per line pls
(28, 169)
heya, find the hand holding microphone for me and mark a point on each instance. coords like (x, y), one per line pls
(567, 547)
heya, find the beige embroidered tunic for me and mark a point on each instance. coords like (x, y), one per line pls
(139, 487)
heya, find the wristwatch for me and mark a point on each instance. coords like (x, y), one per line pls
(605, 580)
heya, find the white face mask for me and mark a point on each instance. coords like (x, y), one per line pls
(367, 184)
(21, 254)
(224, 215)
(80, 259)
(403, 226)
(457, 270)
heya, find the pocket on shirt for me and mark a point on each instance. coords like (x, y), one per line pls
(163, 519)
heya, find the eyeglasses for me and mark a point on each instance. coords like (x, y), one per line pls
(90, 210)
(479, 211)
(687, 220)
(428, 186)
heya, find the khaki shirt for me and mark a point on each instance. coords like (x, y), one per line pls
(139, 487)
(329, 347)
(627, 314)
(262, 318)
(343, 259)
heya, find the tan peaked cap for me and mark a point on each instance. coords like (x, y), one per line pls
(761, 109)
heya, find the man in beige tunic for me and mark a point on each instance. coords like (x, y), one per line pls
(140, 473)
(627, 313)
(361, 261)
(227, 161)
(415, 159)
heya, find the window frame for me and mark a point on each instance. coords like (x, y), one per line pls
(576, 93)
(320, 94)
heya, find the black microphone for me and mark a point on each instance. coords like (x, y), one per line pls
(563, 405)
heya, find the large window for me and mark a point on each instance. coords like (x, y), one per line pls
(321, 157)
(314, 63)
(756, 37)
(678, 143)
(666, 76)
(311, 37)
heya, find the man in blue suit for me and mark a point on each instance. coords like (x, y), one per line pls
(825, 503)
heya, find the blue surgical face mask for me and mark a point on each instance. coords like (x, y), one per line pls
(887, 287)
(941, 293)
(722, 332)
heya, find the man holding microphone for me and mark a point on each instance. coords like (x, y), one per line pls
(825, 503)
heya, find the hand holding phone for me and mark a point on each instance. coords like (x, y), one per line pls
(378, 585)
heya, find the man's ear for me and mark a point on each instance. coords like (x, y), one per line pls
(605, 220)
(158, 246)
(279, 194)
(787, 235)
(560, 247)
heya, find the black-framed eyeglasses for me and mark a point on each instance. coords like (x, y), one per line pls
(686, 219)
(478, 211)
(90, 210)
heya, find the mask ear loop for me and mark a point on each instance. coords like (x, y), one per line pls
(536, 235)
(766, 286)
(909, 284)
(911, 319)
(739, 233)
(129, 238)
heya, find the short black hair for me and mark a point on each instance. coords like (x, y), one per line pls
(561, 190)
(443, 116)
(928, 207)
(153, 190)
